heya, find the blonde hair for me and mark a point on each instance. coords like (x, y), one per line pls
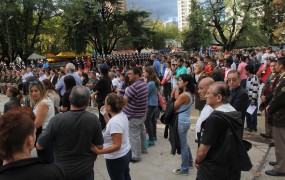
(42, 90)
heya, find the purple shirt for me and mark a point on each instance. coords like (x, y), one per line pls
(137, 94)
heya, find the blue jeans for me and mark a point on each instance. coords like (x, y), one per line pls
(118, 169)
(186, 154)
(251, 120)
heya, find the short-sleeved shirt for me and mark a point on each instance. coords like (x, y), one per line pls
(117, 124)
(72, 134)
(181, 70)
(137, 94)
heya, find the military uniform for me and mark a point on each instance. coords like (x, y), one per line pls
(276, 112)
(267, 91)
(3, 82)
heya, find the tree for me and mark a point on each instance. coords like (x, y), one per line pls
(228, 19)
(138, 36)
(23, 22)
(279, 32)
(197, 35)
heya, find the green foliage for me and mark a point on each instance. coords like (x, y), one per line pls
(197, 35)
(22, 23)
(229, 19)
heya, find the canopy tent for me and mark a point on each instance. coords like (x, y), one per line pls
(50, 55)
(252, 38)
(35, 56)
(66, 55)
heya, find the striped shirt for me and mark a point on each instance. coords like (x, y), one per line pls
(252, 84)
(137, 94)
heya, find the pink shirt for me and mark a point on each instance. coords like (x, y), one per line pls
(241, 70)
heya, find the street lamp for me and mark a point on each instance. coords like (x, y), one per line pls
(8, 39)
(74, 38)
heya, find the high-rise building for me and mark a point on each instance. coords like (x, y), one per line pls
(184, 7)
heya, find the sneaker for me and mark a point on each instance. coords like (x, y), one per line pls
(179, 172)
(155, 138)
(191, 166)
(149, 143)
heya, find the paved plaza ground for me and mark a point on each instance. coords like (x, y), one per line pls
(159, 163)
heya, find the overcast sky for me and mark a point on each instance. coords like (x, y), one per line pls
(166, 10)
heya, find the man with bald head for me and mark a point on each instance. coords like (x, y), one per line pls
(207, 110)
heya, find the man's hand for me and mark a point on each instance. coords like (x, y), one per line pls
(196, 164)
(94, 149)
(263, 98)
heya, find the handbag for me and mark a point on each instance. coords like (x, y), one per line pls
(169, 114)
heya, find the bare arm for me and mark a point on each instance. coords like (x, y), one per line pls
(41, 114)
(117, 142)
(182, 99)
(201, 153)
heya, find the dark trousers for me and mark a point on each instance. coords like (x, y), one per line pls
(101, 117)
(150, 123)
(251, 120)
(167, 90)
(87, 176)
(118, 169)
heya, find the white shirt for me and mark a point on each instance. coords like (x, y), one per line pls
(42, 77)
(26, 75)
(115, 82)
(225, 108)
(117, 124)
(167, 74)
(266, 55)
(205, 113)
(50, 112)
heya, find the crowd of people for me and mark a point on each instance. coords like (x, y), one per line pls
(47, 110)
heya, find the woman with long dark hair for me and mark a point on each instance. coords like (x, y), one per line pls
(152, 86)
(69, 83)
(183, 106)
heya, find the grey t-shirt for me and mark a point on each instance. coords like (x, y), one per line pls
(72, 133)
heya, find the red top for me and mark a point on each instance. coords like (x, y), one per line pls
(264, 75)
(208, 70)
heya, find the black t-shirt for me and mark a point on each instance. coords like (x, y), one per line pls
(72, 133)
(104, 87)
(32, 169)
(65, 100)
(217, 161)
